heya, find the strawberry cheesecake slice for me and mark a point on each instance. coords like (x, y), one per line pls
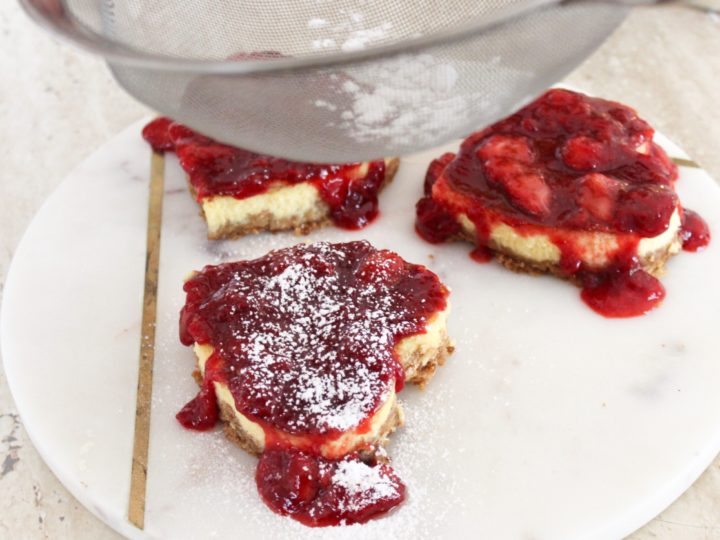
(302, 353)
(242, 192)
(571, 185)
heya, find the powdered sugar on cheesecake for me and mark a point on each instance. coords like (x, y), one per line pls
(304, 336)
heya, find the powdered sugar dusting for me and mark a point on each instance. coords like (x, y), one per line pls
(320, 492)
(412, 100)
(350, 33)
(400, 99)
(363, 484)
(306, 334)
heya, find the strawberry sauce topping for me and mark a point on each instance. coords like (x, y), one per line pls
(695, 233)
(218, 169)
(201, 413)
(434, 223)
(565, 166)
(320, 492)
(304, 339)
(623, 293)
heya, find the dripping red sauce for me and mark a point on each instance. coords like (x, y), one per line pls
(321, 317)
(319, 492)
(695, 233)
(481, 254)
(623, 293)
(201, 413)
(434, 223)
(219, 169)
(566, 164)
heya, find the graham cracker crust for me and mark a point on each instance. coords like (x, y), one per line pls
(234, 431)
(422, 373)
(266, 221)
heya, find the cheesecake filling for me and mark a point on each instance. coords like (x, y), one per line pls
(281, 204)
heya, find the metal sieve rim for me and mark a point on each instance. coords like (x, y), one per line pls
(51, 15)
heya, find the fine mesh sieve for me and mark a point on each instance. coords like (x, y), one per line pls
(334, 81)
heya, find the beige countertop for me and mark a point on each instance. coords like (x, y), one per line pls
(57, 105)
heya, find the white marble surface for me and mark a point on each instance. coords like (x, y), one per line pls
(56, 106)
(629, 445)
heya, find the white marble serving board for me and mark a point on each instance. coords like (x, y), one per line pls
(548, 422)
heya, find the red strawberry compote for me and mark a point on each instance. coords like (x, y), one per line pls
(320, 492)
(304, 339)
(582, 173)
(218, 169)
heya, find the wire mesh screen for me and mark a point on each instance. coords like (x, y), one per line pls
(392, 105)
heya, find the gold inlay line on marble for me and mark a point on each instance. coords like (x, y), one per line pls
(138, 475)
(682, 162)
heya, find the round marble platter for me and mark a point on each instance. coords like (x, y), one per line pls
(548, 422)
